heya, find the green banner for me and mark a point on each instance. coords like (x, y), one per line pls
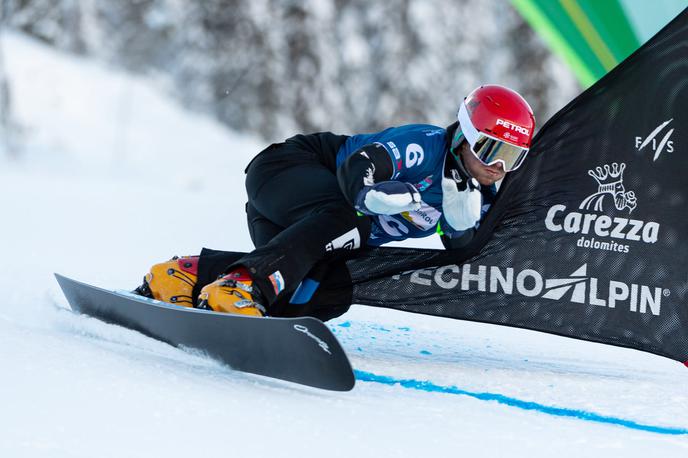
(593, 36)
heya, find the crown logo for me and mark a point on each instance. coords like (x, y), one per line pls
(608, 176)
(609, 180)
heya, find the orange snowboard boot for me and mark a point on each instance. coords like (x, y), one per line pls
(172, 281)
(232, 293)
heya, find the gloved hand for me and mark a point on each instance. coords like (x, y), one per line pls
(461, 202)
(388, 198)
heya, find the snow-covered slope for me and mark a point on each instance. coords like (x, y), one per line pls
(115, 177)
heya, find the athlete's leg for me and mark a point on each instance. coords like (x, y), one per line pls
(261, 229)
(295, 191)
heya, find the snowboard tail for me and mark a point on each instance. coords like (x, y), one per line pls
(301, 350)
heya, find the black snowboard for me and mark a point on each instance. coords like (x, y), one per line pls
(300, 350)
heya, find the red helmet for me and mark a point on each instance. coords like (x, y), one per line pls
(498, 124)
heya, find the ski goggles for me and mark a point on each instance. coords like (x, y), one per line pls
(490, 151)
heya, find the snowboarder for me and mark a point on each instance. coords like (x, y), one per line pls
(314, 197)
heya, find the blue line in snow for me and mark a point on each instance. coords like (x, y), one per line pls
(518, 403)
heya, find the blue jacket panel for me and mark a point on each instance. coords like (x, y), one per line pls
(417, 152)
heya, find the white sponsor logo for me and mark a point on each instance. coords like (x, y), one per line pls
(321, 343)
(395, 150)
(509, 136)
(577, 288)
(348, 241)
(430, 133)
(610, 185)
(651, 140)
(369, 178)
(456, 176)
(512, 126)
(397, 158)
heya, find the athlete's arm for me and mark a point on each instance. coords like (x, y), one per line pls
(461, 202)
(461, 212)
(472, 203)
(364, 179)
(453, 240)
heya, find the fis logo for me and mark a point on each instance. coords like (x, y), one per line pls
(577, 288)
(651, 140)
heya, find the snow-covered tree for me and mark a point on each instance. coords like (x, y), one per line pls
(278, 67)
(55, 22)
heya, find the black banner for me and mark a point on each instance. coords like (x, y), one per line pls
(588, 238)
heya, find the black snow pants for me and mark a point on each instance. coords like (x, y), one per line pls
(298, 219)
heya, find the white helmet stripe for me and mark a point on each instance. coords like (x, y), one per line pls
(467, 127)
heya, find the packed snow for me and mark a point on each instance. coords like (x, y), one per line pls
(113, 177)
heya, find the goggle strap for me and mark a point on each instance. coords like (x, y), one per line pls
(458, 138)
